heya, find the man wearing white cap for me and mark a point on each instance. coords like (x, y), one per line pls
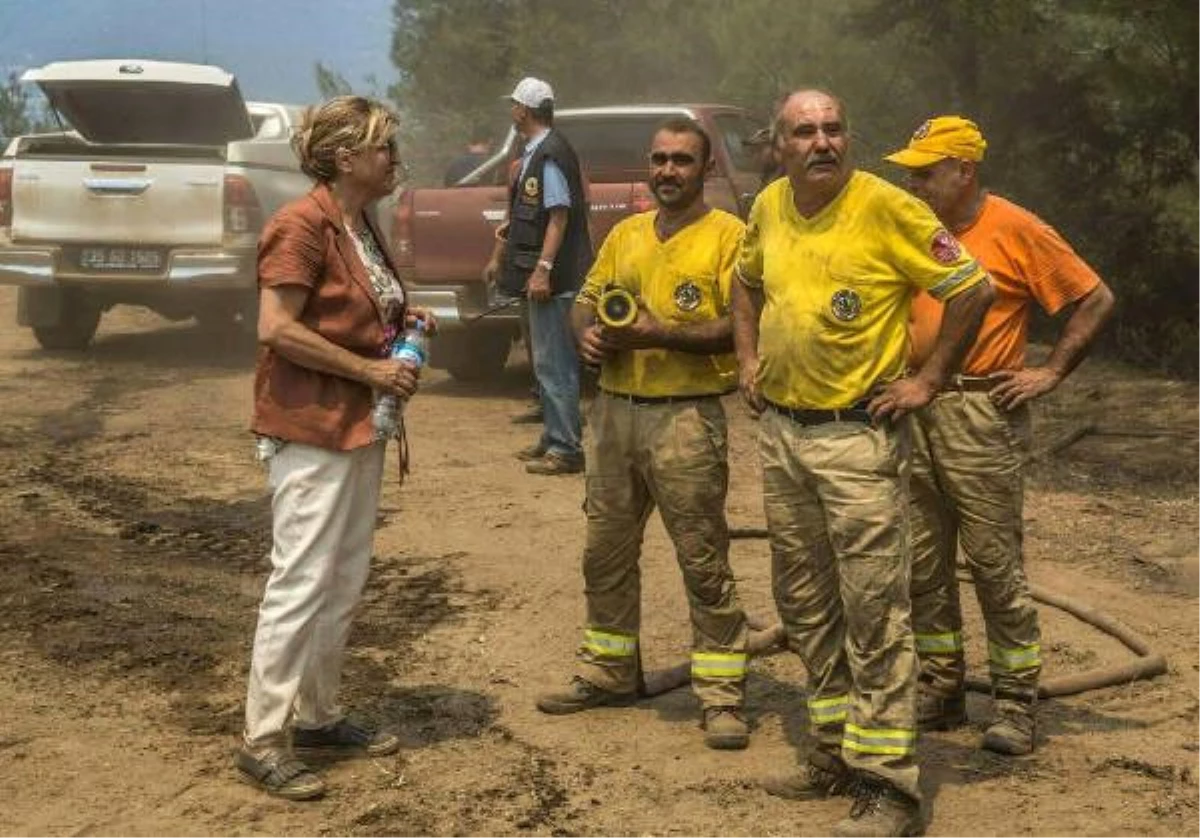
(543, 252)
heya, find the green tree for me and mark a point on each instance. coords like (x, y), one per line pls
(330, 83)
(1089, 106)
(459, 58)
(1090, 110)
(18, 113)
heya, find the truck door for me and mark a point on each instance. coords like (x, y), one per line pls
(453, 229)
(733, 130)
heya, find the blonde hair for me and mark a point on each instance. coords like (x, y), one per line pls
(350, 122)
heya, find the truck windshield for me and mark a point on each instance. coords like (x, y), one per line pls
(613, 148)
(735, 130)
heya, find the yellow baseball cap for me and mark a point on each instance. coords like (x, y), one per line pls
(939, 138)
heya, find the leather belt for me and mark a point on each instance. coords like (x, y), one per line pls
(970, 384)
(635, 399)
(857, 412)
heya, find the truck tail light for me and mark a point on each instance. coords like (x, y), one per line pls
(6, 198)
(243, 213)
(402, 232)
(641, 199)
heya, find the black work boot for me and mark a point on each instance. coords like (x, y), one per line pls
(725, 729)
(880, 809)
(936, 711)
(1013, 729)
(825, 775)
(582, 695)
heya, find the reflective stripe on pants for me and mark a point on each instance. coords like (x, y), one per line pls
(887, 741)
(967, 491)
(831, 710)
(608, 645)
(946, 643)
(671, 456)
(835, 503)
(1014, 660)
(730, 666)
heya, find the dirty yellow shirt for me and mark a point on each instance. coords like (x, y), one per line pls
(837, 287)
(683, 280)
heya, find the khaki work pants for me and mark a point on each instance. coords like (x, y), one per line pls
(967, 489)
(835, 501)
(673, 456)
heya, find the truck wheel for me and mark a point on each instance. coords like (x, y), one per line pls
(237, 316)
(472, 356)
(76, 326)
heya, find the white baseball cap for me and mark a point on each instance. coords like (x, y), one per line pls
(531, 92)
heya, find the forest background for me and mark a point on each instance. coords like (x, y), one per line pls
(1090, 107)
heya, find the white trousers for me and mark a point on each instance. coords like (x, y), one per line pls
(323, 513)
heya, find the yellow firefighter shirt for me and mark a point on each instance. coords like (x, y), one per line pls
(837, 287)
(685, 279)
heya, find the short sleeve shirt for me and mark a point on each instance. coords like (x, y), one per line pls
(303, 244)
(1029, 262)
(683, 280)
(837, 287)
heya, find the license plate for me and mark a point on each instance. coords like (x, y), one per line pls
(120, 259)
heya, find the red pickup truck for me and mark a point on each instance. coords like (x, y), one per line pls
(442, 237)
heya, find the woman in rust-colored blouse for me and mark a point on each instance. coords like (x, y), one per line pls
(330, 306)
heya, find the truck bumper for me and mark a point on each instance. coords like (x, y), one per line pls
(460, 306)
(45, 267)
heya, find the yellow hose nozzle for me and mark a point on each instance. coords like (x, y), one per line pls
(616, 307)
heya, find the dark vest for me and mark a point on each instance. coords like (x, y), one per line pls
(527, 220)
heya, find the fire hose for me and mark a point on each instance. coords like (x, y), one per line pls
(616, 307)
(507, 302)
(770, 639)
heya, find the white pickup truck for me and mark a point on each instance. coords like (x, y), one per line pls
(153, 194)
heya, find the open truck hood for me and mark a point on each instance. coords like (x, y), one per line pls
(131, 101)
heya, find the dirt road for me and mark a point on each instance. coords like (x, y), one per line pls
(134, 531)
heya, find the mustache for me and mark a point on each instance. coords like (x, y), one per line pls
(821, 158)
(665, 181)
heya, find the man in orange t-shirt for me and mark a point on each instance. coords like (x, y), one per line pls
(971, 441)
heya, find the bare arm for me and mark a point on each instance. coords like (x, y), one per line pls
(1087, 318)
(583, 317)
(592, 347)
(648, 332)
(960, 324)
(280, 328)
(556, 229)
(747, 305)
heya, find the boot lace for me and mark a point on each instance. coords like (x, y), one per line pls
(868, 797)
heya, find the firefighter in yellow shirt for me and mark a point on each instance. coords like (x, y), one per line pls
(829, 263)
(658, 437)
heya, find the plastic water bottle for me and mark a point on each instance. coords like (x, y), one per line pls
(413, 348)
